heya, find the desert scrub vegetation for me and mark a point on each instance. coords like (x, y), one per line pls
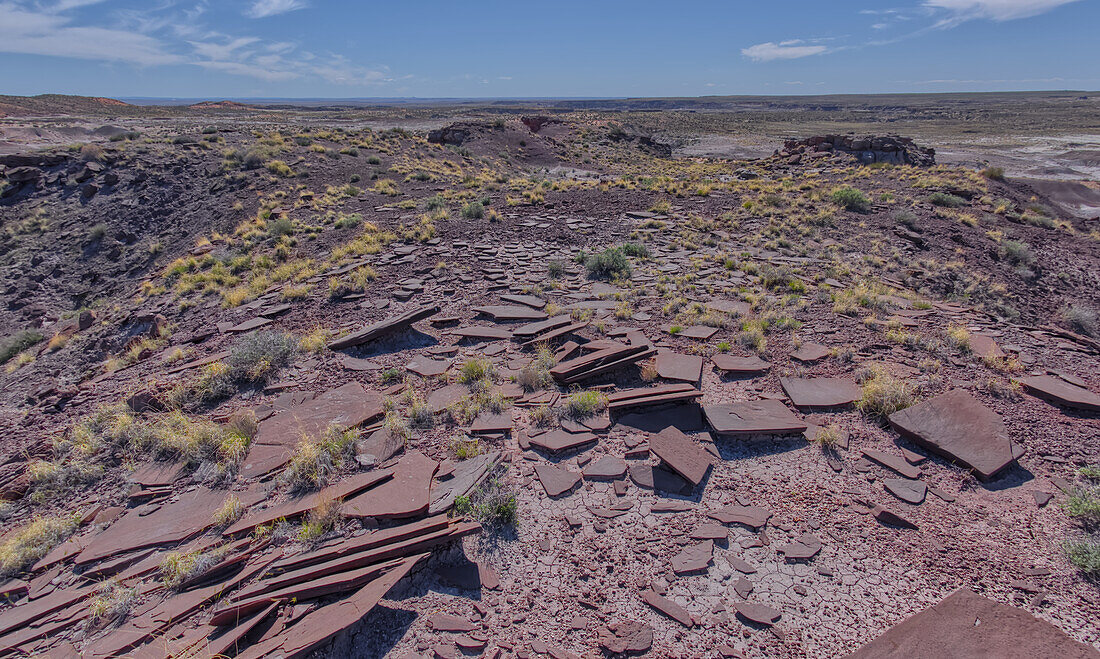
(11, 346)
(112, 601)
(320, 520)
(478, 373)
(608, 264)
(229, 512)
(584, 404)
(178, 568)
(34, 541)
(1080, 318)
(253, 360)
(850, 199)
(946, 200)
(884, 394)
(317, 459)
(1083, 505)
(492, 503)
(536, 375)
(80, 456)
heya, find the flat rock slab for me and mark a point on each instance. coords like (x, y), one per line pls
(810, 352)
(655, 478)
(693, 558)
(710, 531)
(957, 426)
(606, 468)
(966, 624)
(682, 454)
(347, 406)
(555, 480)
(444, 397)
(427, 368)
(407, 494)
(890, 518)
(908, 491)
(674, 366)
(508, 312)
(557, 441)
(753, 417)
(481, 333)
(757, 613)
(735, 365)
(1060, 392)
(627, 637)
(894, 462)
(820, 392)
(803, 547)
(751, 516)
(668, 607)
(383, 328)
(442, 622)
(526, 300)
(698, 332)
(158, 474)
(249, 325)
(488, 423)
(173, 522)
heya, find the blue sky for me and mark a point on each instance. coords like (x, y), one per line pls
(430, 48)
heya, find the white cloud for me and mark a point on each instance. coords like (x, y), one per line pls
(265, 8)
(793, 49)
(30, 32)
(995, 10)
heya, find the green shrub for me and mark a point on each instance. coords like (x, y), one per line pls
(994, 173)
(884, 394)
(555, 269)
(1084, 553)
(492, 503)
(850, 199)
(946, 200)
(473, 211)
(34, 541)
(584, 404)
(608, 264)
(635, 249)
(17, 343)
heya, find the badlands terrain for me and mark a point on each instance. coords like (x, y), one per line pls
(738, 377)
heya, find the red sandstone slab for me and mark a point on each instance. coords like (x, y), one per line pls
(249, 325)
(425, 367)
(895, 462)
(668, 607)
(531, 330)
(751, 516)
(481, 333)
(319, 626)
(369, 541)
(382, 328)
(1060, 392)
(810, 352)
(966, 624)
(557, 441)
(300, 505)
(509, 312)
(682, 454)
(753, 417)
(346, 406)
(174, 522)
(674, 366)
(555, 480)
(406, 495)
(693, 558)
(739, 365)
(956, 425)
(820, 392)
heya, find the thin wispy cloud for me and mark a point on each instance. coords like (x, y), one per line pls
(961, 11)
(791, 49)
(265, 8)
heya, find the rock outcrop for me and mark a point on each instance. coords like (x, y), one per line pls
(868, 150)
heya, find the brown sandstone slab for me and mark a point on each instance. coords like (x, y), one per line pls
(801, 548)
(735, 365)
(751, 516)
(956, 425)
(383, 328)
(810, 352)
(509, 312)
(407, 494)
(820, 392)
(753, 417)
(557, 441)
(1060, 392)
(894, 462)
(668, 607)
(758, 613)
(555, 480)
(683, 454)
(606, 468)
(693, 558)
(347, 406)
(966, 624)
(674, 366)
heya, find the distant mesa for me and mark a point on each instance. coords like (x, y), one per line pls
(891, 149)
(220, 105)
